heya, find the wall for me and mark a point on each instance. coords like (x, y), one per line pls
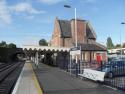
(55, 41)
(81, 31)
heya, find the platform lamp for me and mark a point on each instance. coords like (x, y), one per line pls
(76, 44)
(68, 6)
(123, 23)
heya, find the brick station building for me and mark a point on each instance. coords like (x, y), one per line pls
(64, 36)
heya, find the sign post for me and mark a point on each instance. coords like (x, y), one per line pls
(75, 53)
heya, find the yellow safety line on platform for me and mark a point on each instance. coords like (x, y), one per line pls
(36, 81)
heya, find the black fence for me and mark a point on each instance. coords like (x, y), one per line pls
(114, 71)
(74, 68)
(115, 74)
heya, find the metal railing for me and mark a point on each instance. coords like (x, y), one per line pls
(114, 73)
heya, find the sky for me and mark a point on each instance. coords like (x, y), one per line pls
(27, 21)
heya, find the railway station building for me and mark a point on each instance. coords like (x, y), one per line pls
(63, 38)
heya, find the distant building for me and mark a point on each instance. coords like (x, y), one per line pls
(117, 51)
(64, 36)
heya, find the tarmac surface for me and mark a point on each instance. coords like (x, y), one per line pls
(55, 81)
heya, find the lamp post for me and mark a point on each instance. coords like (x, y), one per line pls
(121, 37)
(68, 6)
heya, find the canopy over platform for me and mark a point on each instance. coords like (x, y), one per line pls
(45, 54)
(45, 48)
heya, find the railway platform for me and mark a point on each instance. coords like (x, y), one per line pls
(46, 79)
(27, 82)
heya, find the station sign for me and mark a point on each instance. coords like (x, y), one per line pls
(75, 48)
(75, 51)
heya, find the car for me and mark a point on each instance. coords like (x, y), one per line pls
(113, 68)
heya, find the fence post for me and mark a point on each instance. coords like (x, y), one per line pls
(77, 69)
(101, 65)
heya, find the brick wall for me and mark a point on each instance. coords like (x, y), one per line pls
(55, 41)
(81, 31)
(68, 42)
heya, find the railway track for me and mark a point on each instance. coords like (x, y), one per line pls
(9, 74)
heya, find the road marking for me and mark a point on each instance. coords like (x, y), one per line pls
(36, 81)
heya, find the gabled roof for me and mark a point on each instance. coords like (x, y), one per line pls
(92, 47)
(65, 27)
(90, 32)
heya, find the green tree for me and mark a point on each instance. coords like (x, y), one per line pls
(118, 46)
(123, 45)
(109, 43)
(43, 42)
(11, 45)
(3, 44)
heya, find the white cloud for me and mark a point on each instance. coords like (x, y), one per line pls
(51, 1)
(25, 7)
(7, 11)
(5, 15)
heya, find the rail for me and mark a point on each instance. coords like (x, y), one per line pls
(8, 76)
